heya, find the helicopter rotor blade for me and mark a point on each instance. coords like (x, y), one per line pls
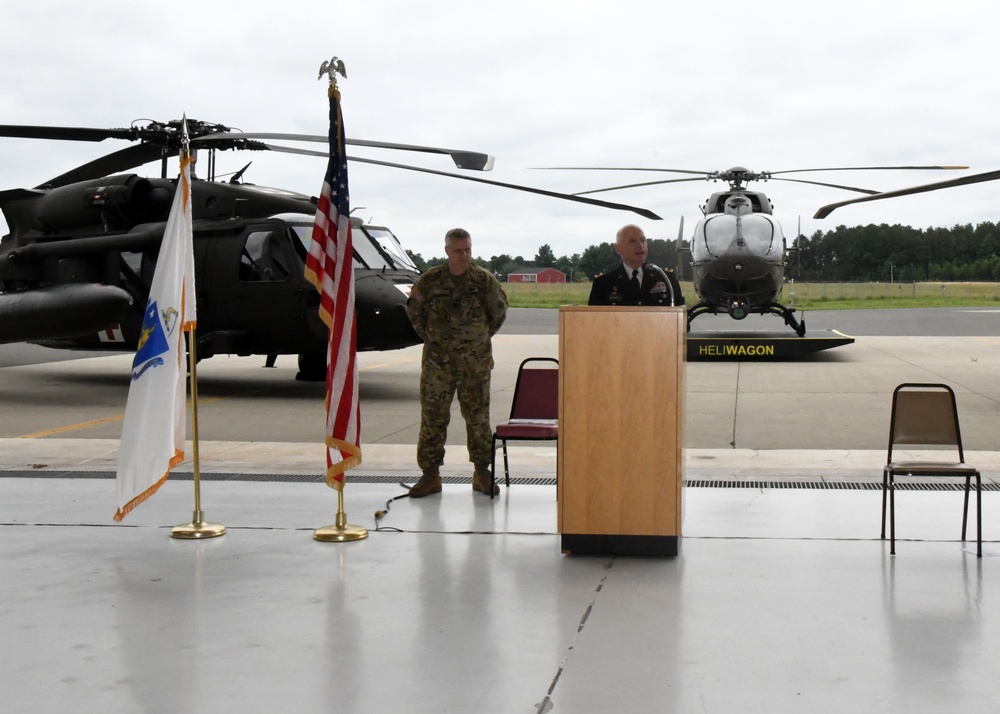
(870, 168)
(64, 133)
(122, 160)
(296, 150)
(828, 185)
(636, 185)
(763, 173)
(623, 168)
(826, 210)
(645, 213)
(736, 172)
(472, 160)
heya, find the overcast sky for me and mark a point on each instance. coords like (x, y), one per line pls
(769, 85)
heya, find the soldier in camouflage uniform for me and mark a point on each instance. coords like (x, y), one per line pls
(455, 308)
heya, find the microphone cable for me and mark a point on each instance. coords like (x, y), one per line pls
(379, 515)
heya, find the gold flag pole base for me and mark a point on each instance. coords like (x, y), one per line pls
(197, 528)
(341, 532)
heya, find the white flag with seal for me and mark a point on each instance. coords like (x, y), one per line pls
(154, 430)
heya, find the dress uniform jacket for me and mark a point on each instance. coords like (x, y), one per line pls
(615, 288)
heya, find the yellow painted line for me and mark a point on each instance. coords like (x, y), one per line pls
(108, 420)
(72, 427)
(97, 422)
(387, 364)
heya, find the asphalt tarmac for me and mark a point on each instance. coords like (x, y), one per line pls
(835, 400)
(917, 322)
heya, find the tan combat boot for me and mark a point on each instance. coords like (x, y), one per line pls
(430, 482)
(481, 481)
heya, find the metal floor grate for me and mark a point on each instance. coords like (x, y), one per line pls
(836, 485)
(410, 478)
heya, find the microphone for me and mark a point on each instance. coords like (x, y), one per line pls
(670, 287)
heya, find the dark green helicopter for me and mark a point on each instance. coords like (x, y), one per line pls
(76, 267)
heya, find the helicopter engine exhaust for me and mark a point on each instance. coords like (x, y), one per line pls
(117, 202)
(61, 311)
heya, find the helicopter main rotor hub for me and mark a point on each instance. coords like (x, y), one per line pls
(738, 176)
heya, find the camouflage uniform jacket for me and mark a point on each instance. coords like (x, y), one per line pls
(457, 318)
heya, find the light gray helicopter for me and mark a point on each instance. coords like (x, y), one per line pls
(738, 250)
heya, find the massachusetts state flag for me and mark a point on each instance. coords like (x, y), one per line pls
(154, 430)
(330, 267)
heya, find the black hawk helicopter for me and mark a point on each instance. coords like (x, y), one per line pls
(76, 267)
(738, 250)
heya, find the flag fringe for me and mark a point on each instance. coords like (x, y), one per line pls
(335, 472)
(178, 457)
(317, 282)
(313, 278)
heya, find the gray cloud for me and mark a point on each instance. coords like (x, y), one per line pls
(772, 85)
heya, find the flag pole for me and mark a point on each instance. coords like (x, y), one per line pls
(334, 207)
(197, 528)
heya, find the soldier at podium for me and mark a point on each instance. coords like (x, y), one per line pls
(635, 282)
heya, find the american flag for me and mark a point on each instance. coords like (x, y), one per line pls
(330, 267)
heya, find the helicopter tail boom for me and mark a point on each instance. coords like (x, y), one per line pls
(61, 311)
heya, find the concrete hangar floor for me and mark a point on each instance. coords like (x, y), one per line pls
(783, 597)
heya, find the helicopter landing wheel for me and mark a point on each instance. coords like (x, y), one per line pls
(312, 367)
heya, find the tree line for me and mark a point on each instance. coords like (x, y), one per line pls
(899, 253)
(579, 267)
(844, 254)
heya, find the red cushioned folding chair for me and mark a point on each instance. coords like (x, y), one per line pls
(534, 411)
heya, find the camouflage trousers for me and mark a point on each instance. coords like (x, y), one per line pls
(441, 377)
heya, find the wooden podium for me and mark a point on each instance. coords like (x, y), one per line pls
(621, 460)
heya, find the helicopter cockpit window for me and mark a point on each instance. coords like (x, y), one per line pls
(303, 232)
(366, 250)
(262, 259)
(374, 248)
(388, 243)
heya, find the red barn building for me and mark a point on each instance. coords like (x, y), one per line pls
(536, 275)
